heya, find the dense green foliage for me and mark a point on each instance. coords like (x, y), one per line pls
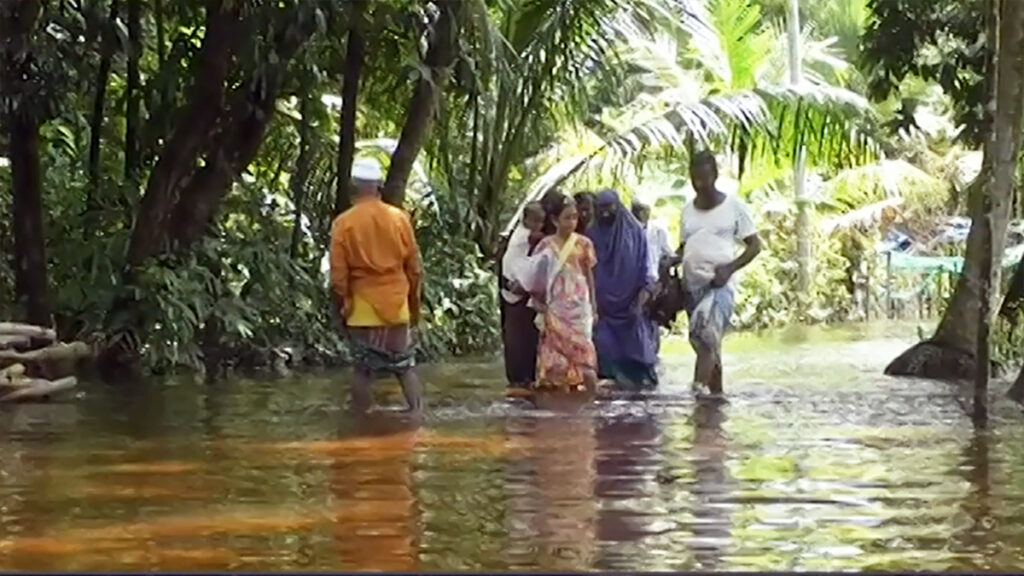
(191, 156)
(941, 41)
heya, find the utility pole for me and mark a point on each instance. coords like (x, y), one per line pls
(803, 220)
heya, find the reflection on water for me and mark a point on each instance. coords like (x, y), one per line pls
(817, 463)
(628, 448)
(712, 488)
(375, 510)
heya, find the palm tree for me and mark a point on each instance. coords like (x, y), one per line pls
(718, 77)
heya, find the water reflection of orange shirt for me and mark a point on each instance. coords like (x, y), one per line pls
(375, 262)
(376, 510)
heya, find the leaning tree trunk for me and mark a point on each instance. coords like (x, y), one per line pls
(193, 126)
(21, 124)
(419, 117)
(300, 178)
(950, 353)
(189, 197)
(108, 40)
(178, 156)
(133, 94)
(244, 124)
(355, 54)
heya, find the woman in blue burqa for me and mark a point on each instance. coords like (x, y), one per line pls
(624, 336)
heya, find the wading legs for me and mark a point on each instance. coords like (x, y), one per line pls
(708, 369)
(361, 398)
(412, 390)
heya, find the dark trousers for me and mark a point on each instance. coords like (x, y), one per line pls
(520, 338)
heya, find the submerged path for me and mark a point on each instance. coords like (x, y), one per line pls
(818, 462)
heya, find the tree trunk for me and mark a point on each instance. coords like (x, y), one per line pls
(804, 256)
(21, 123)
(161, 42)
(300, 177)
(951, 352)
(235, 148)
(195, 121)
(1014, 295)
(441, 53)
(179, 154)
(108, 42)
(1016, 392)
(133, 95)
(230, 138)
(27, 213)
(236, 145)
(355, 54)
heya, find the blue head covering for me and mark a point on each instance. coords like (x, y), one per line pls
(621, 248)
(621, 273)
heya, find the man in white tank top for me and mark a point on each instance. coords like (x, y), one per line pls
(714, 225)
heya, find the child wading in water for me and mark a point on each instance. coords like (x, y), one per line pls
(566, 358)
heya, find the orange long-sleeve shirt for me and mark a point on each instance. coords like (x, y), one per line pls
(375, 259)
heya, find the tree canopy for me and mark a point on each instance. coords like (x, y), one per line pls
(172, 169)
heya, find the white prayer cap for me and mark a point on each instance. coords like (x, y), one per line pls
(367, 170)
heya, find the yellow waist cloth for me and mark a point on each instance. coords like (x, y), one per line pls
(364, 316)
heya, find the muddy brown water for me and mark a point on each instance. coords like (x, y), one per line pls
(817, 462)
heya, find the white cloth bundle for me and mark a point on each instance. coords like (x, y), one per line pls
(704, 251)
(517, 265)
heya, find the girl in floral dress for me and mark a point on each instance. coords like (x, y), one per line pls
(566, 357)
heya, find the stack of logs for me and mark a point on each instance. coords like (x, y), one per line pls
(34, 366)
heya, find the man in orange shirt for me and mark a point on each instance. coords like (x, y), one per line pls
(375, 280)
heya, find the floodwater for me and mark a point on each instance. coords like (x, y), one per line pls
(818, 462)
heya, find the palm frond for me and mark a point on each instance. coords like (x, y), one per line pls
(863, 218)
(825, 120)
(884, 180)
(550, 180)
(774, 121)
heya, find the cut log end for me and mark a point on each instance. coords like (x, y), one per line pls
(53, 353)
(14, 341)
(37, 390)
(28, 331)
(12, 372)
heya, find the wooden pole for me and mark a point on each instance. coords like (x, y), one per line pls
(888, 285)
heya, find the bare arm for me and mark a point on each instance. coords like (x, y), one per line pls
(593, 292)
(752, 247)
(747, 230)
(414, 272)
(339, 272)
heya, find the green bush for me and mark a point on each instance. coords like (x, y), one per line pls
(768, 296)
(460, 289)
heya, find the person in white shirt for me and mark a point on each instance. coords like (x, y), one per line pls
(713, 224)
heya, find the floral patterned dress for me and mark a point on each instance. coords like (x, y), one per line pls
(566, 348)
